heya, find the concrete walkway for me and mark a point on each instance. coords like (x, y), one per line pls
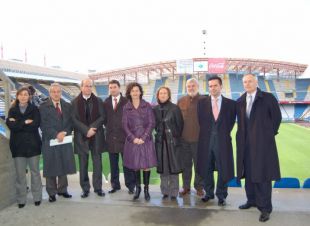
(291, 207)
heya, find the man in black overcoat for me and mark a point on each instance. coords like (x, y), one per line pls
(259, 118)
(115, 137)
(216, 116)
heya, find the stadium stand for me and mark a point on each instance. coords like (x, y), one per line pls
(158, 83)
(40, 78)
(236, 85)
(233, 88)
(102, 91)
(148, 90)
(302, 87)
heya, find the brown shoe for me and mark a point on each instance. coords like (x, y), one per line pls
(200, 192)
(185, 191)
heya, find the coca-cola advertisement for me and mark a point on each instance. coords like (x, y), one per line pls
(216, 66)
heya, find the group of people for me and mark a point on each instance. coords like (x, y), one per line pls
(175, 138)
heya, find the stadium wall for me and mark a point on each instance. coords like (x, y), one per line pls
(7, 174)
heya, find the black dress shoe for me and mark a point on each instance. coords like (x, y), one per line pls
(21, 205)
(221, 202)
(264, 217)
(100, 193)
(38, 203)
(206, 198)
(113, 190)
(84, 194)
(65, 195)
(165, 197)
(246, 206)
(131, 191)
(52, 198)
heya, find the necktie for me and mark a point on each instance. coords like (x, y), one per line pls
(249, 106)
(115, 103)
(215, 109)
(59, 113)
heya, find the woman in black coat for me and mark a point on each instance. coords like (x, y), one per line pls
(23, 120)
(169, 126)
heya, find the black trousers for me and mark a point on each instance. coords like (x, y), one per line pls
(56, 185)
(214, 164)
(189, 157)
(97, 171)
(257, 193)
(129, 174)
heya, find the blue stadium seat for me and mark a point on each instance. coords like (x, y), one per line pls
(307, 183)
(234, 183)
(2, 130)
(236, 85)
(287, 182)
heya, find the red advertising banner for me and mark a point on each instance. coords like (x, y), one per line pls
(216, 66)
(293, 102)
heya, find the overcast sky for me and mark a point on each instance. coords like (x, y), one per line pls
(102, 35)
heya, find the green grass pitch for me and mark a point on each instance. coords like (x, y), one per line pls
(293, 142)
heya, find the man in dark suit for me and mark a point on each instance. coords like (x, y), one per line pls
(88, 117)
(216, 116)
(115, 136)
(259, 118)
(58, 161)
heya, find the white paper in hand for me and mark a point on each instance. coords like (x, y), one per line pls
(66, 140)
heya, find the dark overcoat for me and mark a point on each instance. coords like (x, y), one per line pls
(226, 121)
(57, 160)
(81, 142)
(115, 134)
(264, 122)
(168, 128)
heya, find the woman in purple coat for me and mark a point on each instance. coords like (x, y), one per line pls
(139, 151)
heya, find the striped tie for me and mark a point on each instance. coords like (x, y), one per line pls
(249, 106)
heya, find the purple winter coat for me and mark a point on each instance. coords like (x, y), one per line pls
(139, 123)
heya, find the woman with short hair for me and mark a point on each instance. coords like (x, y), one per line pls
(25, 143)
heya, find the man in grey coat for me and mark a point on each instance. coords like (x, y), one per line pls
(88, 117)
(58, 160)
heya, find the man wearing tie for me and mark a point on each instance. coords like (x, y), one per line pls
(88, 117)
(115, 136)
(259, 118)
(216, 117)
(58, 161)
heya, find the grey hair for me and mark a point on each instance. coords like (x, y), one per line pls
(92, 82)
(192, 80)
(55, 84)
(253, 75)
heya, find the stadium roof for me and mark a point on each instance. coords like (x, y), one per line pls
(237, 65)
(18, 69)
(40, 77)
